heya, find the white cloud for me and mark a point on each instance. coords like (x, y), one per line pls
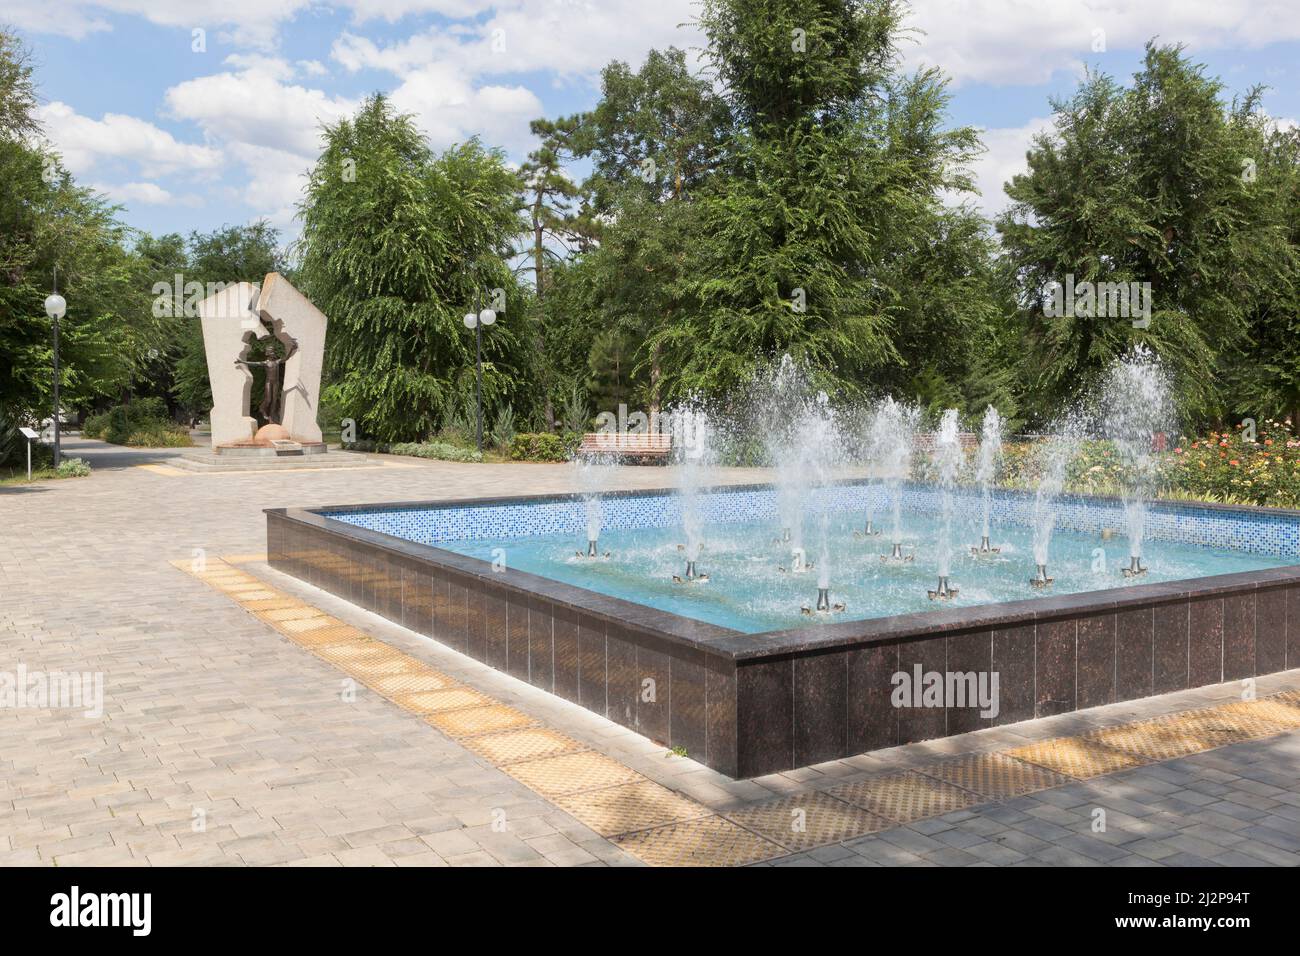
(253, 23)
(1004, 157)
(449, 109)
(566, 37)
(1013, 42)
(145, 194)
(254, 105)
(83, 142)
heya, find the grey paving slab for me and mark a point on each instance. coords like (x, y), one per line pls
(222, 743)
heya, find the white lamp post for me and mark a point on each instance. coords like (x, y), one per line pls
(56, 307)
(476, 321)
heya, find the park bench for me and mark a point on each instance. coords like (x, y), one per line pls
(642, 446)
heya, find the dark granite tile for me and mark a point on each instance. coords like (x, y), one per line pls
(592, 672)
(1270, 630)
(1205, 642)
(541, 643)
(820, 707)
(565, 630)
(971, 657)
(720, 726)
(476, 624)
(365, 584)
(921, 716)
(1170, 659)
(517, 636)
(440, 598)
(1013, 662)
(1239, 636)
(623, 683)
(494, 619)
(1292, 627)
(457, 614)
(1095, 666)
(417, 599)
(1134, 653)
(764, 716)
(388, 590)
(872, 719)
(687, 721)
(654, 699)
(1054, 666)
(275, 542)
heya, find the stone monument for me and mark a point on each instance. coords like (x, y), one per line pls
(232, 318)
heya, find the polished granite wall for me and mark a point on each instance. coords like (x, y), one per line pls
(753, 704)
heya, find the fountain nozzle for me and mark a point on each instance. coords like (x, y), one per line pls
(870, 530)
(896, 554)
(943, 592)
(692, 576)
(984, 547)
(1040, 578)
(1134, 567)
(824, 605)
(591, 548)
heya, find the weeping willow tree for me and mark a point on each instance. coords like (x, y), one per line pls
(397, 244)
(1160, 182)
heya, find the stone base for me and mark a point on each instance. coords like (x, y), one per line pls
(272, 449)
(206, 461)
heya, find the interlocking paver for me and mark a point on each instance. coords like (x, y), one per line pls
(208, 708)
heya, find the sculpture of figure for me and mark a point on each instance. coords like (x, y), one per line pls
(272, 407)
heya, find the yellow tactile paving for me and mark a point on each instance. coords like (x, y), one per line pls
(1217, 726)
(663, 828)
(904, 797)
(512, 746)
(1157, 739)
(632, 806)
(415, 682)
(571, 773)
(437, 701)
(1076, 757)
(479, 720)
(1289, 697)
(802, 821)
(707, 841)
(994, 776)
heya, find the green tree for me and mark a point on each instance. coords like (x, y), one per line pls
(396, 244)
(1146, 185)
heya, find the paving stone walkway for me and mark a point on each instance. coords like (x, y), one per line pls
(222, 742)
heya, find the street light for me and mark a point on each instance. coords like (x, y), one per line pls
(476, 321)
(56, 307)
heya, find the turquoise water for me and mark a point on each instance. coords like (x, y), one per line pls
(747, 591)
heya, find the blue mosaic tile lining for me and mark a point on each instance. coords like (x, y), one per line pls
(1255, 533)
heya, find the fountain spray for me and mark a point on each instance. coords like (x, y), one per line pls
(1054, 456)
(986, 471)
(1137, 406)
(690, 450)
(948, 459)
(892, 428)
(593, 478)
(824, 603)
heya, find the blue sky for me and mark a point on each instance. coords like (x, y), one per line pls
(188, 139)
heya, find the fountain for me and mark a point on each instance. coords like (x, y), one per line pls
(690, 450)
(1135, 407)
(1054, 456)
(593, 473)
(986, 469)
(948, 459)
(892, 428)
(824, 603)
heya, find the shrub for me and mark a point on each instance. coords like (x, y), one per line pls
(143, 423)
(503, 432)
(539, 446)
(74, 468)
(439, 450)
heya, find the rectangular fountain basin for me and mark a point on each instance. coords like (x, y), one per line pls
(736, 674)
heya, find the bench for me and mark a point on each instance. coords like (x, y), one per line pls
(650, 446)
